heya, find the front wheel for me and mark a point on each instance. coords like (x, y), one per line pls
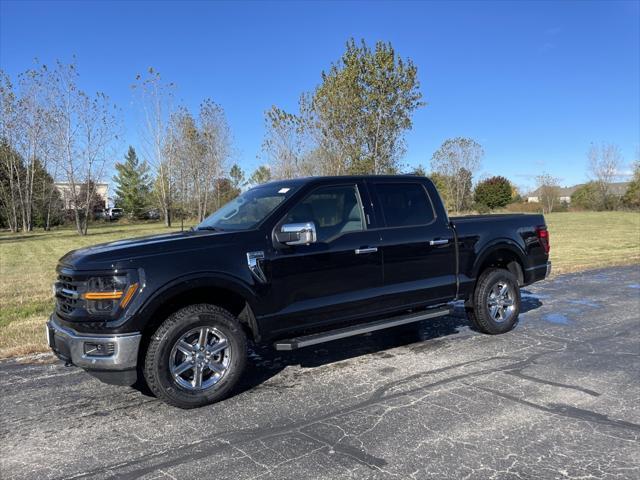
(495, 304)
(196, 356)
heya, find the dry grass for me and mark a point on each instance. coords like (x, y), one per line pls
(27, 264)
(585, 240)
(27, 270)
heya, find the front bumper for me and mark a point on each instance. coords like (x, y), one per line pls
(118, 352)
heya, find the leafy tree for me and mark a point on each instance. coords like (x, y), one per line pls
(631, 198)
(261, 175)
(587, 196)
(365, 103)
(442, 185)
(132, 184)
(353, 122)
(494, 192)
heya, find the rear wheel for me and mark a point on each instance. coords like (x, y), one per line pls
(196, 356)
(495, 304)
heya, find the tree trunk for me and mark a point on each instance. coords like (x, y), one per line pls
(77, 219)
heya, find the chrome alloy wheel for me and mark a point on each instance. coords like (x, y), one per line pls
(501, 302)
(200, 358)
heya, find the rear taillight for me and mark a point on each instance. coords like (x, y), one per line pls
(543, 236)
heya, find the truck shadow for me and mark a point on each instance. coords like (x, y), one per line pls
(265, 362)
(529, 301)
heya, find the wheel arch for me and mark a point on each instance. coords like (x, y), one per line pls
(501, 254)
(216, 289)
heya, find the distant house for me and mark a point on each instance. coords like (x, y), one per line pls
(64, 189)
(618, 189)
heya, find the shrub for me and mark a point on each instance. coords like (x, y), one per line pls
(494, 192)
(631, 198)
(524, 207)
(586, 196)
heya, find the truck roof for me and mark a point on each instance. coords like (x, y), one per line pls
(322, 179)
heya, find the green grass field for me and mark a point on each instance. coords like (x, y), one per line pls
(27, 263)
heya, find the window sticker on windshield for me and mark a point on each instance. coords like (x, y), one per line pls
(284, 190)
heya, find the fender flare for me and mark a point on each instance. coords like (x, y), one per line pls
(499, 244)
(211, 279)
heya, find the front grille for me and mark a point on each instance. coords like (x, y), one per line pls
(67, 295)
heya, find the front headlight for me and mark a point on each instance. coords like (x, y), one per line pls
(105, 294)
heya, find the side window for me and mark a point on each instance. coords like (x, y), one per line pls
(404, 204)
(334, 210)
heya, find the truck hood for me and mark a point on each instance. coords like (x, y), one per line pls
(123, 253)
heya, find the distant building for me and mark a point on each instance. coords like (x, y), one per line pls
(617, 189)
(64, 189)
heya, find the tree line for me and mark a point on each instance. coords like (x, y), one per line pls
(353, 122)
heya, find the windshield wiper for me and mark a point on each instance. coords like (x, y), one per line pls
(213, 229)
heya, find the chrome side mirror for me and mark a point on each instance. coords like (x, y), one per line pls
(297, 233)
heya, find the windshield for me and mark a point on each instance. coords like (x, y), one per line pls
(247, 210)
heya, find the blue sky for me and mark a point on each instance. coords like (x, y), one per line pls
(533, 82)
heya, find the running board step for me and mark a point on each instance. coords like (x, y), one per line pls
(322, 337)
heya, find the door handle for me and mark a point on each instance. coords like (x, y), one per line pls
(360, 251)
(444, 241)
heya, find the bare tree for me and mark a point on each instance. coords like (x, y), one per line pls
(83, 133)
(33, 115)
(456, 161)
(605, 161)
(284, 144)
(548, 191)
(155, 98)
(200, 149)
(26, 134)
(8, 159)
(217, 143)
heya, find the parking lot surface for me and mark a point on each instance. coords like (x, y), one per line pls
(559, 397)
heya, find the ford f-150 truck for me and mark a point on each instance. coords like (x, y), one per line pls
(293, 263)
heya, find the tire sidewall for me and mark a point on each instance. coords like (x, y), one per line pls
(487, 282)
(158, 356)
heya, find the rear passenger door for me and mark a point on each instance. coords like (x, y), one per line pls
(418, 247)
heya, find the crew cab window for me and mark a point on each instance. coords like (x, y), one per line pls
(404, 204)
(334, 210)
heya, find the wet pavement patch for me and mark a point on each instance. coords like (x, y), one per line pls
(557, 318)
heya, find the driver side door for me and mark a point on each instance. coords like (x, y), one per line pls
(334, 278)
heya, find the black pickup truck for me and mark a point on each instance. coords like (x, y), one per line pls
(293, 263)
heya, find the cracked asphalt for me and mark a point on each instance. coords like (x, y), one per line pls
(559, 397)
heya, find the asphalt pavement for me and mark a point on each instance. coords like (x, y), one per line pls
(558, 397)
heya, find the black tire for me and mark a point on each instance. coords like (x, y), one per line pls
(479, 312)
(157, 372)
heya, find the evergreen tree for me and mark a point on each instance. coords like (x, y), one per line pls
(261, 175)
(237, 177)
(132, 184)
